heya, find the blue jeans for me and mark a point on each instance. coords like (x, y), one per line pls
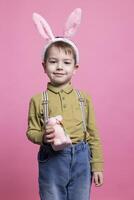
(65, 174)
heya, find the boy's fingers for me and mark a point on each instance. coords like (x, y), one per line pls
(98, 179)
(101, 180)
(50, 136)
(49, 130)
(50, 141)
(48, 127)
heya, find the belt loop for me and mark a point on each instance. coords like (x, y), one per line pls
(73, 150)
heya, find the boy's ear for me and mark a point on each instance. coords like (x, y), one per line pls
(44, 66)
(75, 68)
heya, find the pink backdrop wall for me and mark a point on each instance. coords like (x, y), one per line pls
(106, 43)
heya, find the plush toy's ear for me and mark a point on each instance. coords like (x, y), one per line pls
(72, 23)
(59, 118)
(43, 27)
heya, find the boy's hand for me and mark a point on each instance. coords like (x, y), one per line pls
(48, 136)
(98, 178)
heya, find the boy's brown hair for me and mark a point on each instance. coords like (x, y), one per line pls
(61, 45)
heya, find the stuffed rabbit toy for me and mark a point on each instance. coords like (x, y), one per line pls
(61, 139)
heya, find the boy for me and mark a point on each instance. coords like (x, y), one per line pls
(65, 174)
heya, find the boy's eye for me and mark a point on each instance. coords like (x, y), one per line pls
(52, 61)
(67, 63)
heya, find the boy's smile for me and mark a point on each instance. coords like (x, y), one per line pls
(59, 66)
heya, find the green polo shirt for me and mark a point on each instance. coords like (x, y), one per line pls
(65, 102)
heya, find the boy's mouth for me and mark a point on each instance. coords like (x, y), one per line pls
(58, 74)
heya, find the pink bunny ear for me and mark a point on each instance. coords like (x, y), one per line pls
(72, 23)
(43, 27)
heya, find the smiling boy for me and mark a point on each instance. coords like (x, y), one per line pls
(66, 174)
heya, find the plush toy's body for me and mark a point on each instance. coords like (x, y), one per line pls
(61, 139)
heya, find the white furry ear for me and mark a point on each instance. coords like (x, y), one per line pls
(72, 23)
(43, 27)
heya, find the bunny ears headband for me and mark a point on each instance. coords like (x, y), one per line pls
(71, 26)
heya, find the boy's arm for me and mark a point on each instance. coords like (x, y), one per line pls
(35, 129)
(94, 139)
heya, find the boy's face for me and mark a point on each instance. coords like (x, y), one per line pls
(59, 66)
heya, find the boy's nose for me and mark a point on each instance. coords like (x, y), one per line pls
(59, 65)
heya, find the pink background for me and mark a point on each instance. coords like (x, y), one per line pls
(106, 44)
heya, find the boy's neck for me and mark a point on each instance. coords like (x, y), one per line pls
(61, 86)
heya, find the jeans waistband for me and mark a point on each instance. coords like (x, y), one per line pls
(72, 148)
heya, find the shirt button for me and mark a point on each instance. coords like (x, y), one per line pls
(61, 91)
(63, 98)
(64, 106)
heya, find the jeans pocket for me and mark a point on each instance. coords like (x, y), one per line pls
(44, 155)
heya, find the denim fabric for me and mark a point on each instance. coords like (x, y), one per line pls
(65, 174)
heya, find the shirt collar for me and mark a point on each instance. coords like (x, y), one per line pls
(67, 89)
